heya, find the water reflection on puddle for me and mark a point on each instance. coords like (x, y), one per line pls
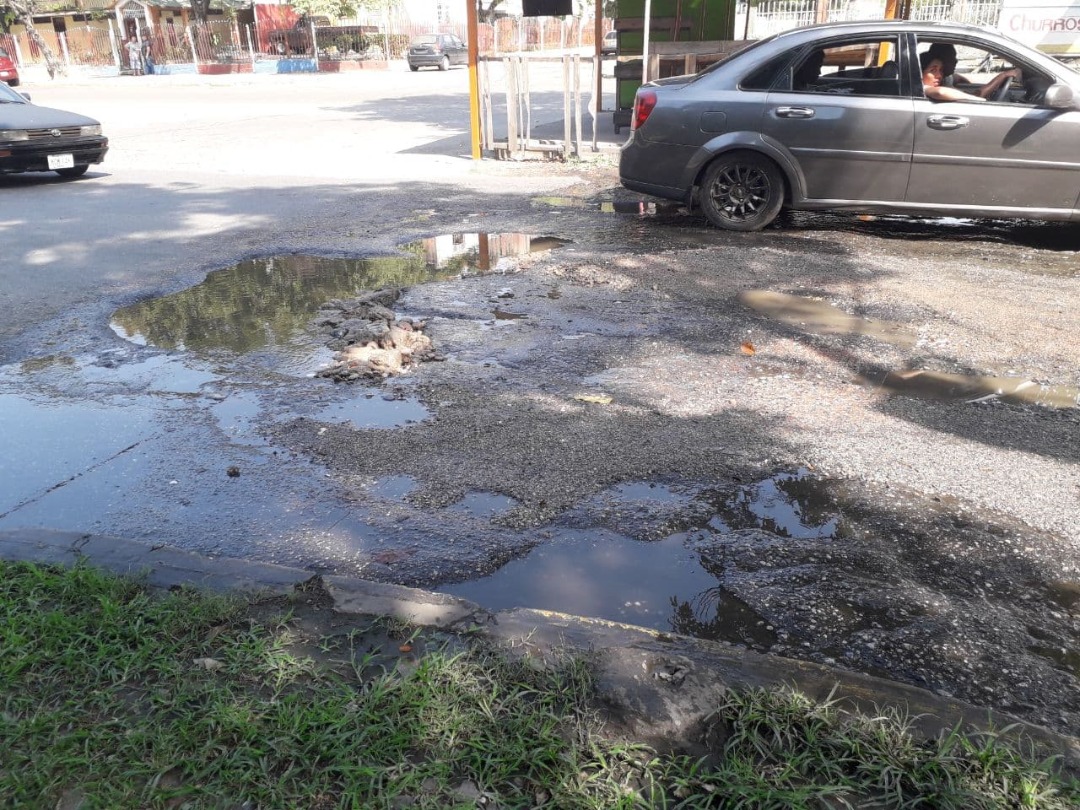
(373, 412)
(56, 443)
(262, 307)
(664, 585)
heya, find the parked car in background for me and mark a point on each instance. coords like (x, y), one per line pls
(609, 46)
(835, 117)
(9, 71)
(41, 139)
(437, 50)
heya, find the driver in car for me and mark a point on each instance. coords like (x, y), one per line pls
(949, 78)
(934, 72)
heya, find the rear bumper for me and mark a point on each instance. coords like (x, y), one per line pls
(33, 157)
(425, 59)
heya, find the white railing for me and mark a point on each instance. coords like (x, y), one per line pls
(773, 16)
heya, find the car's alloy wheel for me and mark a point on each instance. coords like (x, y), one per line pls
(444, 63)
(742, 191)
(74, 171)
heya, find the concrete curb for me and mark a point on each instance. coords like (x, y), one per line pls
(661, 686)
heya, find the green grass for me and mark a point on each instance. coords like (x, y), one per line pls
(118, 697)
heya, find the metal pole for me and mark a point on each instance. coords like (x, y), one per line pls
(474, 83)
(598, 36)
(645, 42)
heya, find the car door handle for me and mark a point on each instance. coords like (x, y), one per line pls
(946, 121)
(794, 112)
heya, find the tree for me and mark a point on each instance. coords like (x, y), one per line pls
(488, 14)
(334, 9)
(200, 9)
(23, 11)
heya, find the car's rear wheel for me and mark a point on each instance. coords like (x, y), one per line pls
(74, 171)
(414, 68)
(444, 63)
(742, 191)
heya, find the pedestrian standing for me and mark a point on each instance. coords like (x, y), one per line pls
(134, 56)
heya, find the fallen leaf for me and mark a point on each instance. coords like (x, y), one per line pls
(211, 664)
(596, 399)
(748, 348)
(405, 648)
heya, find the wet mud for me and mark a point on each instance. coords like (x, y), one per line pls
(769, 441)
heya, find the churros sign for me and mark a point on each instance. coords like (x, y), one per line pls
(1051, 28)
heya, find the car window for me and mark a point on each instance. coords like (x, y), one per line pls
(974, 69)
(428, 39)
(853, 67)
(4, 54)
(765, 76)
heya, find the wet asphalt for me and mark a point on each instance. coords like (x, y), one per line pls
(791, 442)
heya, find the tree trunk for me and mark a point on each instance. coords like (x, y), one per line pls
(200, 9)
(52, 64)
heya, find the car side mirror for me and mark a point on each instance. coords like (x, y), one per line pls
(1059, 96)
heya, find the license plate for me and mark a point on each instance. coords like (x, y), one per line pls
(61, 161)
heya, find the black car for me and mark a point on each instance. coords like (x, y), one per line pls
(437, 50)
(41, 139)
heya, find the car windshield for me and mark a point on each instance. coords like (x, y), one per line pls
(4, 54)
(9, 96)
(431, 39)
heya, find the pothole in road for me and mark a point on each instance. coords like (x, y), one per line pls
(663, 584)
(261, 308)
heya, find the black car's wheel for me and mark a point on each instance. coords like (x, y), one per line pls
(74, 171)
(742, 191)
(444, 63)
(414, 68)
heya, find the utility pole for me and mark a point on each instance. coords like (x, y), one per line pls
(474, 81)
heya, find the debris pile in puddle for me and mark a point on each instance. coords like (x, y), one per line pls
(370, 340)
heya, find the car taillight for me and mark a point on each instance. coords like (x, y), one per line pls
(644, 102)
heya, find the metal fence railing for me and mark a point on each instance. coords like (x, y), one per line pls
(226, 42)
(388, 35)
(773, 16)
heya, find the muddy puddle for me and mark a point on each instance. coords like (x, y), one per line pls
(262, 308)
(595, 569)
(816, 317)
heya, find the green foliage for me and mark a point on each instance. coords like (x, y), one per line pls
(112, 695)
(334, 9)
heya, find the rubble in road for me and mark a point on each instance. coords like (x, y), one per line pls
(370, 341)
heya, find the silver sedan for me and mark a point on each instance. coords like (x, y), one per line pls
(856, 116)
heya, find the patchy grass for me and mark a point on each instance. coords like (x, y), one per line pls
(113, 696)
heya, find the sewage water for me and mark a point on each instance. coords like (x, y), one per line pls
(665, 585)
(262, 307)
